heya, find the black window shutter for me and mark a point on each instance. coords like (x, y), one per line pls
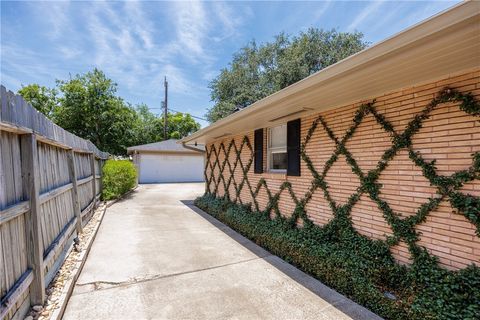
(293, 147)
(258, 151)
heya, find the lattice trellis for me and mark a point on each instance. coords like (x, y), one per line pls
(404, 229)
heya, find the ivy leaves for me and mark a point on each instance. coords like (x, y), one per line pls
(336, 253)
(358, 267)
(403, 229)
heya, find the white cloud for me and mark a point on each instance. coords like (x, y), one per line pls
(177, 79)
(229, 20)
(191, 26)
(22, 63)
(124, 47)
(69, 52)
(198, 28)
(320, 12)
(210, 74)
(426, 12)
(141, 24)
(365, 14)
(127, 42)
(55, 14)
(13, 83)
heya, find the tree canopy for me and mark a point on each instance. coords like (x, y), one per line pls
(88, 106)
(150, 127)
(42, 98)
(257, 71)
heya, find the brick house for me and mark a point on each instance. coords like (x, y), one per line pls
(317, 143)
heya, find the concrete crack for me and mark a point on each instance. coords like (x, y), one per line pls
(105, 285)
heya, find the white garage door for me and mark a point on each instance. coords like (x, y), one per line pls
(156, 168)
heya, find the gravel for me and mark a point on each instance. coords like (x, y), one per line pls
(55, 290)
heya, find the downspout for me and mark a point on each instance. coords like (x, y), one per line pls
(201, 151)
(191, 148)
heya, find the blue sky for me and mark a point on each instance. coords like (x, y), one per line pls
(137, 43)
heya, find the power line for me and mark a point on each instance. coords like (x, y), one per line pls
(165, 105)
(191, 115)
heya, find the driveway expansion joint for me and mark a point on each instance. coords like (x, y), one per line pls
(106, 285)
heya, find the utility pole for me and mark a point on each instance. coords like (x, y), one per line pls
(165, 105)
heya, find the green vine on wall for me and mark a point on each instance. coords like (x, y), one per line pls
(404, 229)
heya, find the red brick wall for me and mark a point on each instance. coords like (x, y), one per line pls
(450, 136)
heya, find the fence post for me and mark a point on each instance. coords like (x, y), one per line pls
(31, 189)
(94, 180)
(73, 178)
(100, 169)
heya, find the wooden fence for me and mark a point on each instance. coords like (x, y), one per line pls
(50, 182)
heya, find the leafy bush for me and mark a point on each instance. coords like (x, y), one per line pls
(119, 176)
(358, 267)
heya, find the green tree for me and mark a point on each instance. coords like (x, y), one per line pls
(258, 71)
(179, 125)
(148, 128)
(90, 108)
(41, 98)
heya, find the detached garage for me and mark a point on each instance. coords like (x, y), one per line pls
(168, 161)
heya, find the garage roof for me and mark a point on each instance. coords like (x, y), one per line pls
(167, 146)
(446, 44)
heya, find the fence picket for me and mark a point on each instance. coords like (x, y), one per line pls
(41, 165)
(31, 187)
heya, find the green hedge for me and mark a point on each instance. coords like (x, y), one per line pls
(358, 267)
(119, 176)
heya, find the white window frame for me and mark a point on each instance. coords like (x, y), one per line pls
(271, 150)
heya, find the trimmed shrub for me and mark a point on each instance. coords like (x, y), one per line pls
(358, 267)
(119, 176)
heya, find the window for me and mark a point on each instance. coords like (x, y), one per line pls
(277, 148)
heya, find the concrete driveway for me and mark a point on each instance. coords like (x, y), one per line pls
(157, 257)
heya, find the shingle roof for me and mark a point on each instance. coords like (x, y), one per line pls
(170, 145)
